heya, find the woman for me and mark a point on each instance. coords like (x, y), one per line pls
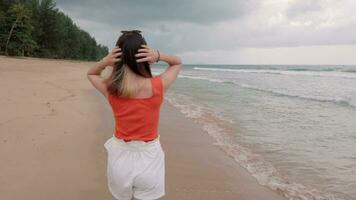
(136, 160)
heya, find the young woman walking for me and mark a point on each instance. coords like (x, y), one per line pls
(136, 160)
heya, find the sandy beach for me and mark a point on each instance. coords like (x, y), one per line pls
(53, 125)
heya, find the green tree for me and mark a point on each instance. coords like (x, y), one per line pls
(19, 38)
(48, 37)
(2, 33)
(38, 28)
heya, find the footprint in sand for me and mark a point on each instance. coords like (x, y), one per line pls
(49, 106)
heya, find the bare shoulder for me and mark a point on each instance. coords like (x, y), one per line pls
(156, 77)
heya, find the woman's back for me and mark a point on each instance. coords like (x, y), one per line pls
(138, 118)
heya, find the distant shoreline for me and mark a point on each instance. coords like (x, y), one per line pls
(45, 59)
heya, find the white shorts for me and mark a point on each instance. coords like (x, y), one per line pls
(135, 168)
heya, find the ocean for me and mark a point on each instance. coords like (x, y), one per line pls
(292, 127)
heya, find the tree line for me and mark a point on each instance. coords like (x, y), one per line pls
(37, 28)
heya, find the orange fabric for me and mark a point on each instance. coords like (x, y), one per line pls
(137, 119)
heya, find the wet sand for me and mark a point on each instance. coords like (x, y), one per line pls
(53, 125)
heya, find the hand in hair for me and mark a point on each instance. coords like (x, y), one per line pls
(149, 55)
(113, 57)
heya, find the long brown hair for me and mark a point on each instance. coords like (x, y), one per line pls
(119, 82)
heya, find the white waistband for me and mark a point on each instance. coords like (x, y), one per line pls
(136, 145)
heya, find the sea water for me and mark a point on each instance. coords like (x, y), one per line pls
(292, 127)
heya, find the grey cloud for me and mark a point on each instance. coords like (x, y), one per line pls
(140, 12)
(185, 26)
(302, 7)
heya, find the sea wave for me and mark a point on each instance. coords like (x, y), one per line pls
(337, 100)
(205, 78)
(202, 78)
(350, 70)
(256, 165)
(349, 74)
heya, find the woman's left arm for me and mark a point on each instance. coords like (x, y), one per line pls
(94, 72)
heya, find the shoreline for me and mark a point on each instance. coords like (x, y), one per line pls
(53, 128)
(196, 169)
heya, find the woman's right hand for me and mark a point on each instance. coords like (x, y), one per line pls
(113, 57)
(149, 55)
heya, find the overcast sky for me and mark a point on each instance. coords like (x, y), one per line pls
(228, 31)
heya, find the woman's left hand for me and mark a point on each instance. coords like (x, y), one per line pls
(147, 54)
(113, 57)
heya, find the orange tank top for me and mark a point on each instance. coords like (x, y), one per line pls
(137, 118)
